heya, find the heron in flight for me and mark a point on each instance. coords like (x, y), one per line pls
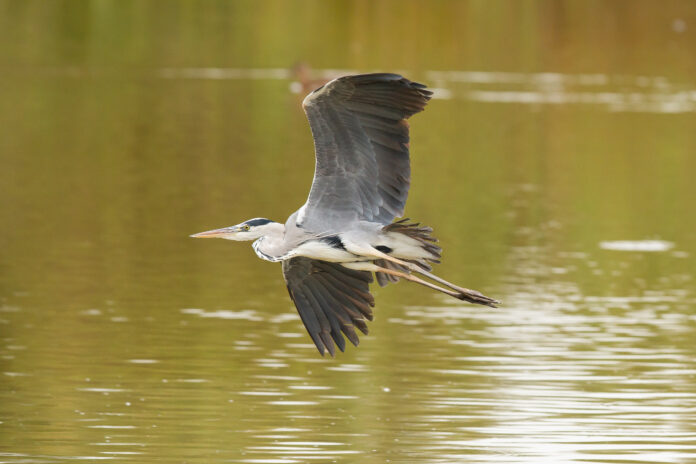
(346, 231)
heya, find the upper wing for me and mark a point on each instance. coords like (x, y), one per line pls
(361, 143)
(330, 299)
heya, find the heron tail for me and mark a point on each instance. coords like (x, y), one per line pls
(420, 233)
(424, 253)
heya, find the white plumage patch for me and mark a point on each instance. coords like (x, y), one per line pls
(317, 249)
(301, 214)
(403, 246)
(264, 256)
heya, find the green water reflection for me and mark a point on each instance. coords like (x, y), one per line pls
(125, 126)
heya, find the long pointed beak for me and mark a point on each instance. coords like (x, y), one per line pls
(216, 233)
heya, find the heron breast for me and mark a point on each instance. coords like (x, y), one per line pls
(329, 248)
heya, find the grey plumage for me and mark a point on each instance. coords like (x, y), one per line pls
(345, 232)
(361, 143)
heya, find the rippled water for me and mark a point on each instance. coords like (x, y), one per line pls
(554, 376)
(556, 173)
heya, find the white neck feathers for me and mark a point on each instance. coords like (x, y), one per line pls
(271, 245)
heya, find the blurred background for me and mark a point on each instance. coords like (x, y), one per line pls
(555, 164)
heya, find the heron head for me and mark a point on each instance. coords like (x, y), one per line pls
(247, 230)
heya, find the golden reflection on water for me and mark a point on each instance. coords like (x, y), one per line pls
(555, 166)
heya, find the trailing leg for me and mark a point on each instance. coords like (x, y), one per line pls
(471, 296)
(417, 280)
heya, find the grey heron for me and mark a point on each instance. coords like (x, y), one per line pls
(346, 230)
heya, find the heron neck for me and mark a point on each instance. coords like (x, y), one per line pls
(271, 246)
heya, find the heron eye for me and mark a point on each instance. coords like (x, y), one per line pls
(245, 227)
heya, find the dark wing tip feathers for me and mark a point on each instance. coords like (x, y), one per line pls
(332, 300)
(409, 96)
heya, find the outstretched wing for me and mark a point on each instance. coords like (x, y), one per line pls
(330, 299)
(361, 143)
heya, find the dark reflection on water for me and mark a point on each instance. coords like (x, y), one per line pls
(555, 171)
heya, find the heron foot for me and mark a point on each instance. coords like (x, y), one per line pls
(472, 296)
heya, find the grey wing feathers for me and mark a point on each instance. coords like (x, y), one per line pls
(330, 299)
(362, 155)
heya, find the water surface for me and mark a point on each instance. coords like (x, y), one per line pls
(555, 165)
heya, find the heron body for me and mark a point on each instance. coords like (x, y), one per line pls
(346, 231)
